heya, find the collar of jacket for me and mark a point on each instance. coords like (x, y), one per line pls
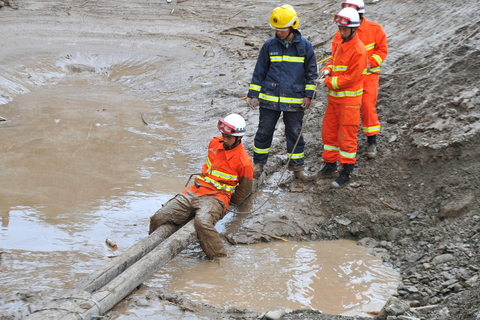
(296, 38)
(229, 154)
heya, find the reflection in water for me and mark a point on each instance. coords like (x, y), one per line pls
(337, 277)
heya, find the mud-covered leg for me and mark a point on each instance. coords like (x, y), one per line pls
(178, 211)
(209, 211)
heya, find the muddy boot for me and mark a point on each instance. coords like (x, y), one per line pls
(258, 176)
(328, 170)
(344, 176)
(372, 147)
(257, 171)
(298, 173)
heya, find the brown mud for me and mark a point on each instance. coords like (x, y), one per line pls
(416, 203)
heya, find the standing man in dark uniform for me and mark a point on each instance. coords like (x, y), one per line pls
(283, 81)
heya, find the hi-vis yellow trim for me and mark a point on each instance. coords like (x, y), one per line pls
(377, 58)
(280, 99)
(255, 87)
(268, 98)
(291, 100)
(339, 68)
(296, 155)
(220, 174)
(334, 82)
(370, 46)
(343, 94)
(331, 148)
(218, 185)
(347, 155)
(287, 59)
(371, 129)
(261, 151)
(309, 87)
(371, 71)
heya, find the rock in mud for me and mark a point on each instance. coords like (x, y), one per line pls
(392, 235)
(457, 207)
(368, 242)
(393, 307)
(275, 315)
(443, 258)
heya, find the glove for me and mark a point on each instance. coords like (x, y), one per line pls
(253, 103)
(324, 74)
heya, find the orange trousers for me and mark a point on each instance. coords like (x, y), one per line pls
(370, 124)
(339, 133)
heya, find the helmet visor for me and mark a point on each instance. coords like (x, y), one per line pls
(350, 5)
(343, 21)
(226, 128)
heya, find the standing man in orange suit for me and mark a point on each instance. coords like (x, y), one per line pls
(375, 41)
(344, 76)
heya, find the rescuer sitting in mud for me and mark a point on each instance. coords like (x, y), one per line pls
(226, 177)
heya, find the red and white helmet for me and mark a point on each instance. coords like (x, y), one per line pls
(233, 125)
(347, 17)
(358, 5)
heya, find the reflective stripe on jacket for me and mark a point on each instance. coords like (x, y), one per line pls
(225, 172)
(375, 41)
(284, 76)
(345, 82)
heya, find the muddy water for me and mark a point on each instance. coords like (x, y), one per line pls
(91, 151)
(78, 165)
(336, 277)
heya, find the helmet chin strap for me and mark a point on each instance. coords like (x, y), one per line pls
(291, 31)
(352, 33)
(238, 140)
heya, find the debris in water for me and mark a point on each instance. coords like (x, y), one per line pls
(111, 243)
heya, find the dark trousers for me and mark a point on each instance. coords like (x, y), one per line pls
(266, 127)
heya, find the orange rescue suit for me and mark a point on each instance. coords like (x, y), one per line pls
(375, 41)
(342, 115)
(224, 172)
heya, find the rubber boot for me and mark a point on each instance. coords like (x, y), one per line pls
(298, 173)
(372, 147)
(328, 170)
(257, 170)
(344, 176)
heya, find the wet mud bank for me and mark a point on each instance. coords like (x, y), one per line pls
(415, 205)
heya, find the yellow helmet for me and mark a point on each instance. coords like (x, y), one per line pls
(284, 17)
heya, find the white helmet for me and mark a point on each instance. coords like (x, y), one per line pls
(347, 17)
(355, 4)
(233, 125)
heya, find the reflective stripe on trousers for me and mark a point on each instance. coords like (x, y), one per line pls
(339, 133)
(264, 136)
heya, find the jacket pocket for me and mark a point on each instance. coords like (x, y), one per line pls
(299, 90)
(351, 116)
(269, 88)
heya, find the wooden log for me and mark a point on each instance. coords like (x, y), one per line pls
(108, 272)
(78, 304)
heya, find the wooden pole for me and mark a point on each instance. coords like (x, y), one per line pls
(79, 304)
(108, 272)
